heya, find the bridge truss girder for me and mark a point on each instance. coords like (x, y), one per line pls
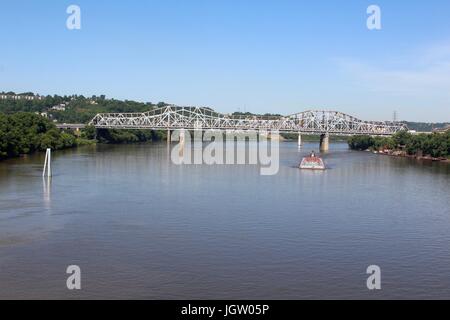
(194, 118)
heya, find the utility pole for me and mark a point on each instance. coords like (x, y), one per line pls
(394, 118)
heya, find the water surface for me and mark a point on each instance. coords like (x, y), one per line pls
(141, 227)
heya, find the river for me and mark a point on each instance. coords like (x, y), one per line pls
(142, 227)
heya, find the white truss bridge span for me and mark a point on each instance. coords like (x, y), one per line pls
(195, 118)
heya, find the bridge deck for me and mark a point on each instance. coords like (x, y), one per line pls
(71, 126)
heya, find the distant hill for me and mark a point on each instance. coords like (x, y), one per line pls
(69, 109)
(80, 109)
(424, 126)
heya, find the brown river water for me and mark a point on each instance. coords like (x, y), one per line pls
(141, 227)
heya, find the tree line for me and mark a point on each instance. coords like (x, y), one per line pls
(79, 109)
(24, 133)
(124, 136)
(436, 145)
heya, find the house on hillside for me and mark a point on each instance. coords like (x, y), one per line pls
(60, 107)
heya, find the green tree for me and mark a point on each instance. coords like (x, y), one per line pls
(23, 133)
(88, 133)
(361, 142)
(401, 138)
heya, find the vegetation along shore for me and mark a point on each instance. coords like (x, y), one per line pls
(435, 146)
(28, 124)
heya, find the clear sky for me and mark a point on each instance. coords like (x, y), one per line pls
(261, 56)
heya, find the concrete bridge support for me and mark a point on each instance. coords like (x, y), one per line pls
(169, 136)
(274, 136)
(300, 143)
(182, 142)
(182, 137)
(324, 142)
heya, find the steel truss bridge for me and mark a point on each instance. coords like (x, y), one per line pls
(195, 118)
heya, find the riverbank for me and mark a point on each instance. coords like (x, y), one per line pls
(25, 133)
(402, 154)
(432, 147)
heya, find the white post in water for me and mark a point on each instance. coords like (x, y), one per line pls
(47, 163)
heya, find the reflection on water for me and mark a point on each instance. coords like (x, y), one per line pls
(47, 184)
(141, 227)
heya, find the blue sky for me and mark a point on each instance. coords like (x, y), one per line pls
(249, 55)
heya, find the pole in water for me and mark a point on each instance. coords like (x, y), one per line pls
(47, 163)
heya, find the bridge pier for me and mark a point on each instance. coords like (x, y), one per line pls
(324, 142)
(274, 136)
(169, 136)
(182, 137)
(182, 143)
(300, 143)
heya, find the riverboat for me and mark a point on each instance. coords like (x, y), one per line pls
(312, 163)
